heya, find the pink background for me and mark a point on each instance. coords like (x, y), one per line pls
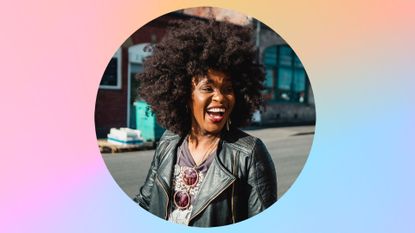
(359, 56)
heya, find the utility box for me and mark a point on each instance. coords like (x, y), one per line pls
(146, 122)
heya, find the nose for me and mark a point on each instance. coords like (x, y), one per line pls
(218, 96)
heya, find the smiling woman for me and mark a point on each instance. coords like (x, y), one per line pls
(203, 82)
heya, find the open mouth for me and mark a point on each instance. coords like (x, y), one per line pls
(216, 114)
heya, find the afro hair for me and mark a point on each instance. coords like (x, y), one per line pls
(189, 49)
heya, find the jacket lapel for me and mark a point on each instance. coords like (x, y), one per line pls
(217, 179)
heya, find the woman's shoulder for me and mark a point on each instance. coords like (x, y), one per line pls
(169, 135)
(168, 138)
(242, 141)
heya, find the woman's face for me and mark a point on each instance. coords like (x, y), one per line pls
(212, 102)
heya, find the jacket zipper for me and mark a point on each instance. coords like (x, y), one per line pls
(234, 170)
(167, 197)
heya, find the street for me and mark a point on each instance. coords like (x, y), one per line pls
(289, 148)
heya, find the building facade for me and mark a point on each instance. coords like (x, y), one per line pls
(288, 95)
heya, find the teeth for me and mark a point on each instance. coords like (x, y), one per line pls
(216, 110)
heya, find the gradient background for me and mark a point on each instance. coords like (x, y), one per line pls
(359, 56)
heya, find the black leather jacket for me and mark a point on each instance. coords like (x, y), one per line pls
(240, 183)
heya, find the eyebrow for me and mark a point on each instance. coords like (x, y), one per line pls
(210, 81)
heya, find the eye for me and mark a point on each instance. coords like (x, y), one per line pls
(228, 89)
(206, 88)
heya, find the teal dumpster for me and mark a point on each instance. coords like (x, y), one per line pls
(146, 122)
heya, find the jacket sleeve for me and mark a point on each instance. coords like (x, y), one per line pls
(144, 195)
(263, 180)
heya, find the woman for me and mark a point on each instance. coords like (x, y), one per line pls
(202, 82)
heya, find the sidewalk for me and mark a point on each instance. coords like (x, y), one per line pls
(279, 133)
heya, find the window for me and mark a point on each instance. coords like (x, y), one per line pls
(111, 79)
(285, 77)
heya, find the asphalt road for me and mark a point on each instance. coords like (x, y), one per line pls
(289, 148)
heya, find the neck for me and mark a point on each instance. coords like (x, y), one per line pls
(202, 139)
(202, 145)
